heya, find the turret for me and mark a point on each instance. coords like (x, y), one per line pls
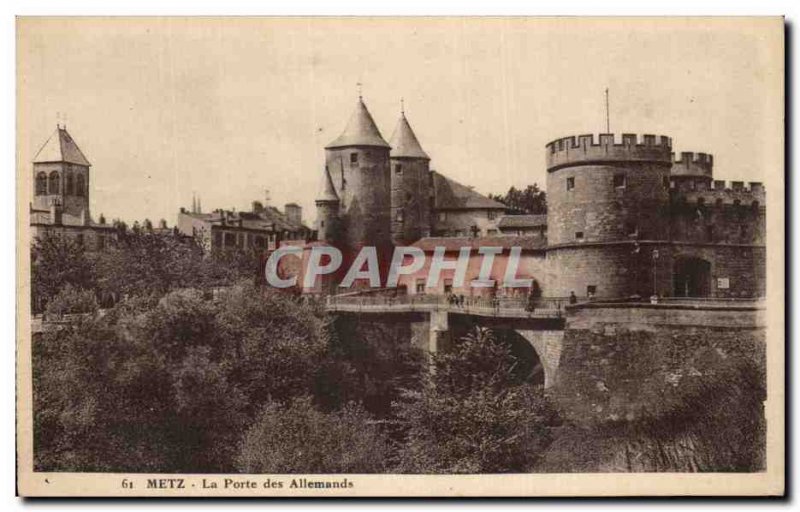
(327, 203)
(692, 170)
(358, 165)
(410, 171)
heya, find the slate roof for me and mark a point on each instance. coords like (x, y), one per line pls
(328, 192)
(61, 147)
(522, 221)
(404, 142)
(454, 243)
(360, 131)
(263, 220)
(451, 195)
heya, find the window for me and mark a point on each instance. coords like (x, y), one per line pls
(448, 286)
(55, 182)
(230, 239)
(80, 186)
(353, 159)
(399, 216)
(631, 229)
(490, 214)
(579, 235)
(101, 242)
(420, 286)
(591, 290)
(570, 183)
(692, 185)
(322, 223)
(398, 169)
(70, 184)
(710, 233)
(80, 239)
(619, 181)
(41, 184)
(442, 216)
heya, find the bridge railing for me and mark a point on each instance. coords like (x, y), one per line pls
(498, 306)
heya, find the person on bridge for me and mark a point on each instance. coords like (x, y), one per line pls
(572, 298)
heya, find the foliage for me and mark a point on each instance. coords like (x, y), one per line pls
(531, 200)
(473, 414)
(169, 384)
(57, 261)
(299, 438)
(71, 300)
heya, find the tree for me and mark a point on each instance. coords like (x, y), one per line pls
(298, 438)
(531, 200)
(58, 261)
(71, 300)
(474, 414)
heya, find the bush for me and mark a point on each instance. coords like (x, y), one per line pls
(298, 438)
(473, 415)
(71, 300)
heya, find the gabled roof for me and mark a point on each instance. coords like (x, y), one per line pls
(522, 221)
(404, 142)
(360, 131)
(60, 147)
(451, 195)
(328, 191)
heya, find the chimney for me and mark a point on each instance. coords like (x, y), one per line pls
(258, 207)
(162, 224)
(294, 212)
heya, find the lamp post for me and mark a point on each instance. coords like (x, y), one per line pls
(654, 297)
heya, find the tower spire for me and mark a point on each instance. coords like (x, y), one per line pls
(402, 106)
(608, 121)
(360, 92)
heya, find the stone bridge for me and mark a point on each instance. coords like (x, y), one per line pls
(540, 323)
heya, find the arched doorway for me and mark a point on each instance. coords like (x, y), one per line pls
(692, 277)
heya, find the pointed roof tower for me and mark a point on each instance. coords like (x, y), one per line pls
(60, 147)
(404, 142)
(328, 192)
(360, 131)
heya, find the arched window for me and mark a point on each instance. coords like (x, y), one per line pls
(70, 184)
(754, 206)
(41, 184)
(54, 182)
(80, 188)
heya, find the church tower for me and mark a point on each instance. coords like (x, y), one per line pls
(61, 176)
(411, 183)
(358, 164)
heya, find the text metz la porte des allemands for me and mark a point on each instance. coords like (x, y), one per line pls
(324, 260)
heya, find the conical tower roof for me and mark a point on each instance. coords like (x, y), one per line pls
(360, 131)
(404, 142)
(60, 147)
(328, 191)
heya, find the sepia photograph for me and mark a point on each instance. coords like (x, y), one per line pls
(400, 256)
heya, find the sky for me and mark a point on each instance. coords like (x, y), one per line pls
(230, 107)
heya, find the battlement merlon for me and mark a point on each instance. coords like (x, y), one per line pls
(584, 150)
(720, 192)
(691, 164)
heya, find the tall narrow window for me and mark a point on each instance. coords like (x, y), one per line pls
(70, 184)
(80, 186)
(398, 169)
(399, 216)
(55, 182)
(619, 181)
(579, 235)
(41, 184)
(570, 183)
(353, 159)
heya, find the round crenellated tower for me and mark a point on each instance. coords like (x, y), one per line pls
(410, 168)
(608, 204)
(358, 163)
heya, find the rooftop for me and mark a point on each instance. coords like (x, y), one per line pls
(451, 195)
(60, 147)
(360, 130)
